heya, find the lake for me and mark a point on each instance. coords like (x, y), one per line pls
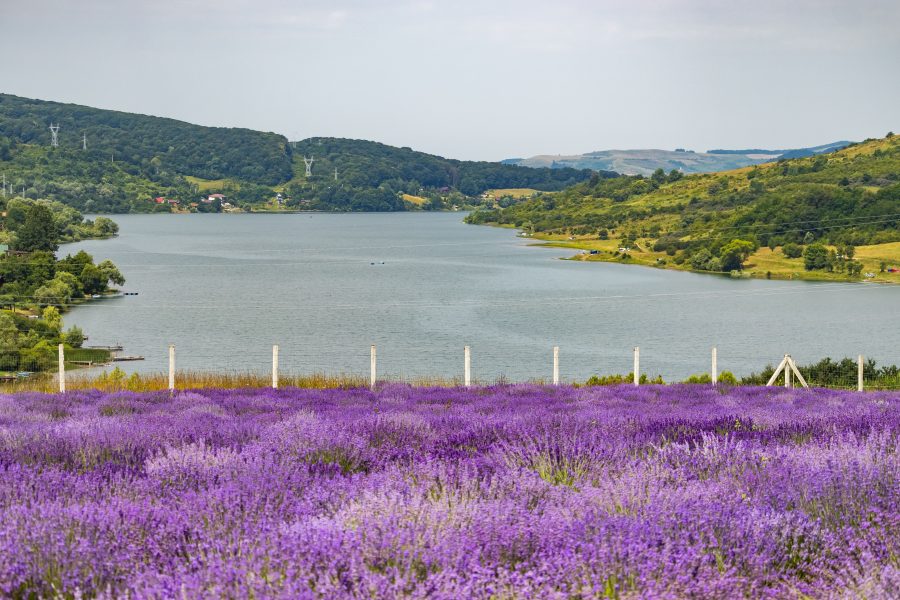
(224, 287)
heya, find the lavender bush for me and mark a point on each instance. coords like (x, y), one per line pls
(502, 492)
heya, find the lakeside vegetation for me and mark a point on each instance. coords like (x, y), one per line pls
(36, 286)
(831, 216)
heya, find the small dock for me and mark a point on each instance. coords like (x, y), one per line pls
(107, 348)
(126, 358)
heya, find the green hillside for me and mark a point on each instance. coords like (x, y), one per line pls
(131, 159)
(374, 176)
(152, 144)
(767, 218)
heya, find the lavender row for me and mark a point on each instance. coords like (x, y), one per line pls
(500, 492)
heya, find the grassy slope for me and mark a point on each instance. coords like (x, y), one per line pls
(670, 202)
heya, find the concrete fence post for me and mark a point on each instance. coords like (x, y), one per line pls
(637, 365)
(714, 372)
(373, 364)
(275, 366)
(555, 365)
(62, 369)
(171, 367)
(859, 374)
(787, 370)
(467, 366)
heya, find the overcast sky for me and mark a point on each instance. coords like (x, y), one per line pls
(475, 79)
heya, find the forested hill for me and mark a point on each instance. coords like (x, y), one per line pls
(132, 159)
(150, 144)
(715, 221)
(370, 175)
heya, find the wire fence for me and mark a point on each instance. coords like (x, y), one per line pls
(68, 368)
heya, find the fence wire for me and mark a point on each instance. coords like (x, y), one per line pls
(99, 368)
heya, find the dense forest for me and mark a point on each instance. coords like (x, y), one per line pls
(715, 221)
(377, 175)
(151, 144)
(131, 159)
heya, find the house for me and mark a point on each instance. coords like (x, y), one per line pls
(172, 201)
(160, 200)
(214, 197)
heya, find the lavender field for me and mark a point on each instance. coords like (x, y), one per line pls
(500, 492)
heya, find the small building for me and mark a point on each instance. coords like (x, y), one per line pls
(172, 201)
(214, 197)
(160, 200)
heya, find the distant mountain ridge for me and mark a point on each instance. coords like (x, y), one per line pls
(646, 161)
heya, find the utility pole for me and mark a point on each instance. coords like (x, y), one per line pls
(54, 135)
(84, 141)
(335, 173)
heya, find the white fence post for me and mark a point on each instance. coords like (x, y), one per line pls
(555, 365)
(637, 365)
(275, 366)
(787, 370)
(467, 366)
(714, 372)
(859, 374)
(171, 367)
(372, 367)
(62, 369)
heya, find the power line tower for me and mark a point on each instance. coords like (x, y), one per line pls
(335, 173)
(54, 135)
(84, 141)
(309, 163)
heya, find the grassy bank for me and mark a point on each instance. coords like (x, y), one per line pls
(765, 263)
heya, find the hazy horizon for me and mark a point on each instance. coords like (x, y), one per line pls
(469, 80)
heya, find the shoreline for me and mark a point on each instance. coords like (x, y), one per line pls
(659, 260)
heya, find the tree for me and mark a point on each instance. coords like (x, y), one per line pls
(815, 257)
(700, 259)
(658, 177)
(40, 357)
(111, 273)
(75, 264)
(51, 317)
(92, 279)
(105, 226)
(9, 342)
(74, 337)
(39, 231)
(792, 250)
(734, 253)
(54, 292)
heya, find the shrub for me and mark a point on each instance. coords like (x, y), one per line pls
(792, 250)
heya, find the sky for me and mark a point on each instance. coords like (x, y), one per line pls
(468, 79)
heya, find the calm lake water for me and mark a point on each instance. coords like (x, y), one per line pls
(224, 288)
